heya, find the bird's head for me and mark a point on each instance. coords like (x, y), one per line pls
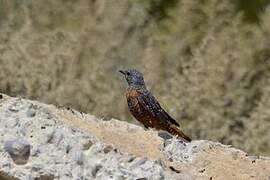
(133, 77)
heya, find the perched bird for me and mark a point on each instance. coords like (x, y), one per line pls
(146, 109)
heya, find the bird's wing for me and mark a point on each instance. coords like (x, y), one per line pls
(152, 105)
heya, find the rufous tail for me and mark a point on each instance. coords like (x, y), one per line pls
(174, 130)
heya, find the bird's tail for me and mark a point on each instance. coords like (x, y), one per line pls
(174, 130)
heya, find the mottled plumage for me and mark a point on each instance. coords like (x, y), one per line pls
(145, 108)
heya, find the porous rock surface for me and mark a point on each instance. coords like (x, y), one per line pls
(66, 144)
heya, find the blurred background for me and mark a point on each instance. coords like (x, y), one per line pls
(207, 61)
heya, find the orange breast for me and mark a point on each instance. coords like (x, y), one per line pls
(137, 109)
(132, 100)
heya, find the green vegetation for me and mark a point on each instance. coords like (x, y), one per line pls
(207, 62)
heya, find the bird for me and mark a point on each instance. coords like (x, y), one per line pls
(146, 109)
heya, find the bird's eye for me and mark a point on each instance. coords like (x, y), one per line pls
(128, 73)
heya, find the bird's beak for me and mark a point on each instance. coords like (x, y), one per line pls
(123, 72)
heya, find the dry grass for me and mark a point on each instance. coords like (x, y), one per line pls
(207, 66)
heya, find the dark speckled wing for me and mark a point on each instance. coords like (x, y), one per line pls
(150, 102)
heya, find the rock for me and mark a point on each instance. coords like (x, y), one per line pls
(188, 151)
(164, 135)
(35, 151)
(30, 113)
(95, 170)
(13, 108)
(54, 136)
(105, 118)
(19, 150)
(46, 177)
(107, 148)
(86, 143)
(78, 157)
(37, 167)
(66, 145)
(138, 162)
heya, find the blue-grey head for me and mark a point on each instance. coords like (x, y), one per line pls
(134, 78)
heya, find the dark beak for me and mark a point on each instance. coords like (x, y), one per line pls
(123, 72)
